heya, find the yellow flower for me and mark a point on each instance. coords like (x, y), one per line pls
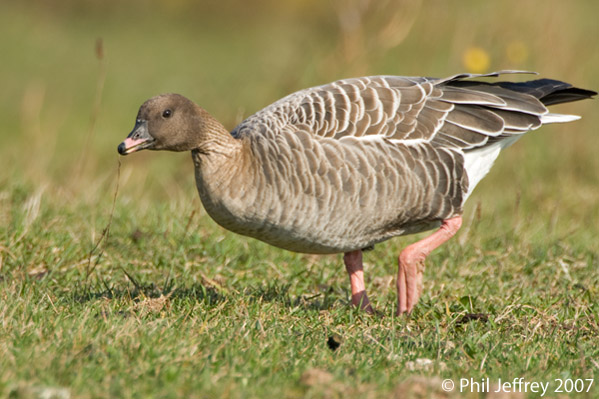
(476, 60)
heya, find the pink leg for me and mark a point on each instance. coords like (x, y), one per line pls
(353, 265)
(411, 263)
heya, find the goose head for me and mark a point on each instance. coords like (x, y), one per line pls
(167, 122)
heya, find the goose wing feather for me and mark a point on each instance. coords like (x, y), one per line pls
(454, 112)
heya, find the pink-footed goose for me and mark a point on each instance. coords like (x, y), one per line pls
(340, 167)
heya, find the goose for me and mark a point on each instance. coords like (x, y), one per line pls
(341, 167)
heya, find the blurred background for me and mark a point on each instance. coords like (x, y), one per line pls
(75, 72)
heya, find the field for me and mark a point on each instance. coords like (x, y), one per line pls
(114, 283)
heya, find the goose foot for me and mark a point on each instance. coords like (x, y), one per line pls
(355, 269)
(411, 264)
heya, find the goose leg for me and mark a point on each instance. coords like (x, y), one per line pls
(411, 263)
(353, 265)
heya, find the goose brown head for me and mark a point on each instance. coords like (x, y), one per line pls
(169, 122)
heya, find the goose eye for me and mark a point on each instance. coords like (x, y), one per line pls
(167, 113)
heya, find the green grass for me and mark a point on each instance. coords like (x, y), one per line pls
(171, 305)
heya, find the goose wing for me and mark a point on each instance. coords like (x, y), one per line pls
(455, 112)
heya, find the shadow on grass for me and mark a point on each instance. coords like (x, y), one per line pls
(209, 295)
(138, 291)
(280, 293)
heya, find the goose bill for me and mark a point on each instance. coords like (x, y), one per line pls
(138, 139)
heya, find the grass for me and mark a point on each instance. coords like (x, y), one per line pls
(171, 305)
(178, 307)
